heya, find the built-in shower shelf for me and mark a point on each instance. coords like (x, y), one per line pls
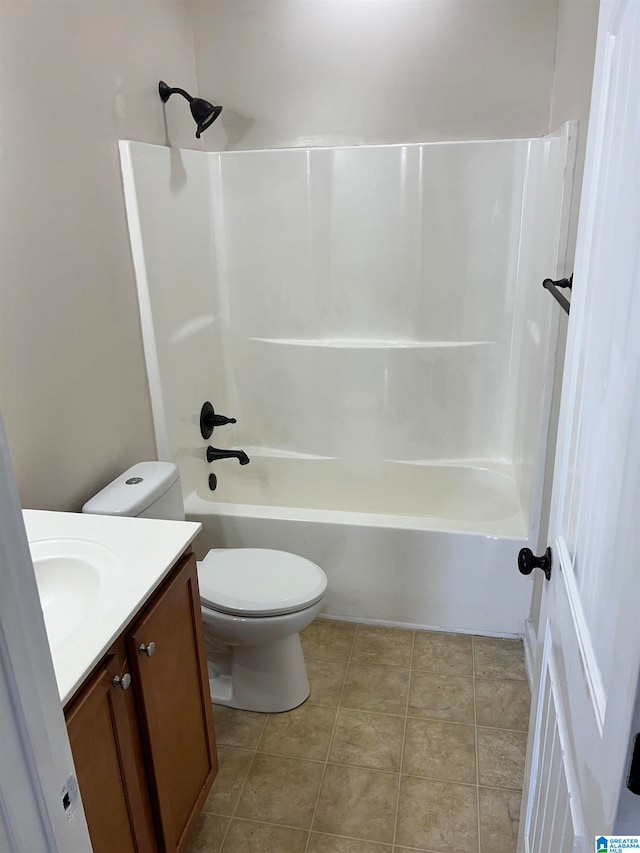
(347, 343)
(281, 453)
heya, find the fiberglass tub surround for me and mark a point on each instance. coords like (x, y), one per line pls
(373, 317)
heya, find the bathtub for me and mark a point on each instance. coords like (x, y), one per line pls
(451, 568)
(350, 306)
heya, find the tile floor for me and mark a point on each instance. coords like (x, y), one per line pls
(410, 741)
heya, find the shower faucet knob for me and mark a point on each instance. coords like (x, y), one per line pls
(209, 419)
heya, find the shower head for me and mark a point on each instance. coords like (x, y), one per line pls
(204, 113)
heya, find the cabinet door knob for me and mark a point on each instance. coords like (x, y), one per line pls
(122, 681)
(147, 650)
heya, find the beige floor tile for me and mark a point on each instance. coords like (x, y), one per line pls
(207, 834)
(499, 820)
(383, 646)
(441, 697)
(445, 751)
(501, 757)
(233, 769)
(239, 729)
(360, 680)
(502, 704)
(333, 844)
(447, 654)
(304, 732)
(358, 803)
(326, 678)
(434, 815)
(368, 740)
(248, 837)
(499, 658)
(376, 688)
(328, 640)
(280, 790)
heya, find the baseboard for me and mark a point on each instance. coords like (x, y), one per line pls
(413, 626)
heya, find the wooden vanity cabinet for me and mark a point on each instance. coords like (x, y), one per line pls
(166, 649)
(144, 751)
(103, 730)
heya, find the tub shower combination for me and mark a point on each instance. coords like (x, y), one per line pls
(373, 318)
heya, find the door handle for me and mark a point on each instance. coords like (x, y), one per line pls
(633, 778)
(527, 562)
(123, 682)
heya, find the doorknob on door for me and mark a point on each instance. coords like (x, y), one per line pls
(527, 562)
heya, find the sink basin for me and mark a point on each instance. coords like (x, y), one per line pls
(76, 579)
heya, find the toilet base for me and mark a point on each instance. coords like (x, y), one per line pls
(268, 678)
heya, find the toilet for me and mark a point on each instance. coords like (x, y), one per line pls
(254, 601)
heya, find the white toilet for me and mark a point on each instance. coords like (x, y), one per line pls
(254, 601)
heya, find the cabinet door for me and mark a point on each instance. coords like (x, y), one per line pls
(102, 728)
(172, 692)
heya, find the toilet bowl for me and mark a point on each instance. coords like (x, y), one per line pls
(254, 601)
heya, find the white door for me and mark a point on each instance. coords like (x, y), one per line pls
(590, 625)
(40, 808)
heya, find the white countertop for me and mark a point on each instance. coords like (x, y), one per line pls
(145, 550)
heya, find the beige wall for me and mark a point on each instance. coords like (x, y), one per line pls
(331, 72)
(74, 77)
(575, 55)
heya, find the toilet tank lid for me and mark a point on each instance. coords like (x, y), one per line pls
(134, 490)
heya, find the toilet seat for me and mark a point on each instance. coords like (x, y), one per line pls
(259, 582)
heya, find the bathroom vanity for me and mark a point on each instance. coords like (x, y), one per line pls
(131, 672)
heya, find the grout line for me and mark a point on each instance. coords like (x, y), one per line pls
(242, 787)
(375, 770)
(453, 782)
(380, 844)
(333, 731)
(404, 737)
(402, 716)
(369, 663)
(442, 720)
(497, 788)
(503, 678)
(295, 757)
(357, 710)
(504, 729)
(269, 823)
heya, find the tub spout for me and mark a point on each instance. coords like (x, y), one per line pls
(213, 453)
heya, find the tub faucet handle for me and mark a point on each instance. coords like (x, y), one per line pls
(209, 419)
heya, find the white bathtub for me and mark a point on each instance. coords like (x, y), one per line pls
(348, 306)
(452, 568)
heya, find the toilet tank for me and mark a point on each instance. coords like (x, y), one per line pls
(147, 490)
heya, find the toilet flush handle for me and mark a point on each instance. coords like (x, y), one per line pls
(147, 650)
